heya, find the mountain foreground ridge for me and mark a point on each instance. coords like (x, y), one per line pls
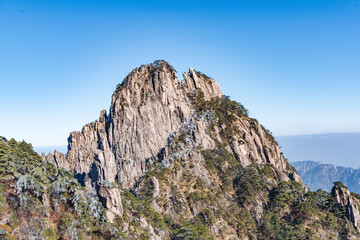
(171, 160)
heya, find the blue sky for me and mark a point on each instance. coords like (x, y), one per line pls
(293, 64)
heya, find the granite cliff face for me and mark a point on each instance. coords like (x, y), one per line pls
(145, 110)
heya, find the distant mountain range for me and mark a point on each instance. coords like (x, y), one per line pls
(319, 175)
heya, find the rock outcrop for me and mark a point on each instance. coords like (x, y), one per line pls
(58, 159)
(343, 199)
(111, 200)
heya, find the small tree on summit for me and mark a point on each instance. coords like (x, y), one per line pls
(12, 143)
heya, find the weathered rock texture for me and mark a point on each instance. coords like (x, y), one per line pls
(111, 200)
(58, 159)
(344, 199)
(147, 111)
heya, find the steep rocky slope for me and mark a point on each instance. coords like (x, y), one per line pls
(176, 160)
(39, 201)
(319, 175)
(147, 111)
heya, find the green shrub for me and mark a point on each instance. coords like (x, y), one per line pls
(169, 220)
(287, 193)
(270, 227)
(201, 74)
(215, 158)
(339, 184)
(248, 183)
(67, 220)
(196, 196)
(209, 218)
(246, 224)
(49, 234)
(192, 231)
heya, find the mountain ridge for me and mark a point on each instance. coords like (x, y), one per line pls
(322, 175)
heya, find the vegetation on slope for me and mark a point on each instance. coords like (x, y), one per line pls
(239, 202)
(203, 194)
(44, 202)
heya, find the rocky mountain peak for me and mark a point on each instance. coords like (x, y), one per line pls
(146, 108)
(156, 119)
(158, 81)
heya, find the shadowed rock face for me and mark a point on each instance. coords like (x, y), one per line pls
(147, 111)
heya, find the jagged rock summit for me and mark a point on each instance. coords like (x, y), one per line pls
(147, 111)
(148, 107)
